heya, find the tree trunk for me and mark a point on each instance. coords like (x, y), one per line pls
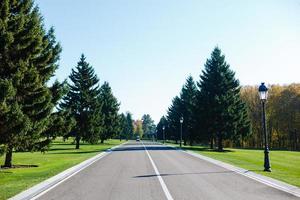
(8, 157)
(102, 141)
(77, 142)
(211, 143)
(184, 142)
(220, 142)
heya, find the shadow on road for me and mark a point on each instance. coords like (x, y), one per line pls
(181, 174)
(141, 148)
(206, 149)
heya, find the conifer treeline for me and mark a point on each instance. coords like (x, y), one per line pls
(216, 108)
(212, 108)
(29, 57)
(92, 109)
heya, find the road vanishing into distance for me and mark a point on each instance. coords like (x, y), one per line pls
(146, 170)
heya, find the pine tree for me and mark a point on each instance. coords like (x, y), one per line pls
(110, 108)
(129, 126)
(81, 101)
(28, 59)
(162, 123)
(123, 126)
(188, 100)
(221, 107)
(174, 113)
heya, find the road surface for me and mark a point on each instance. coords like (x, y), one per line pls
(145, 170)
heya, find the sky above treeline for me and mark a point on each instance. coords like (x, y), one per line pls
(146, 49)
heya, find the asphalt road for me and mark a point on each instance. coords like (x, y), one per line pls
(145, 170)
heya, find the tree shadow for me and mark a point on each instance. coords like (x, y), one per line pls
(2, 171)
(182, 174)
(61, 149)
(141, 148)
(77, 152)
(17, 167)
(206, 149)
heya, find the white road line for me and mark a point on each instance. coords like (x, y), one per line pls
(40, 189)
(161, 181)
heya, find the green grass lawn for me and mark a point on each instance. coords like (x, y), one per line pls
(60, 157)
(285, 165)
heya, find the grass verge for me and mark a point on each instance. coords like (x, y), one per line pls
(61, 156)
(284, 164)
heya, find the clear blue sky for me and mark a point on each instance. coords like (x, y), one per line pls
(146, 48)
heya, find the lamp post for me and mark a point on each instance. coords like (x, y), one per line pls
(263, 94)
(163, 128)
(181, 121)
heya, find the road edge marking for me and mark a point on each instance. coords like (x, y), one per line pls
(277, 184)
(43, 187)
(161, 181)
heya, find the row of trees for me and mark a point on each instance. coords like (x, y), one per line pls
(33, 111)
(144, 128)
(217, 110)
(212, 108)
(93, 110)
(283, 116)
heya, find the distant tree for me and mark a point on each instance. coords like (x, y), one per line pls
(162, 123)
(138, 128)
(249, 94)
(82, 102)
(123, 126)
(129, 126)
(174, 113)
(224, 112)
(109, 111)
(28, 59)
(148, 125)
(188, 102)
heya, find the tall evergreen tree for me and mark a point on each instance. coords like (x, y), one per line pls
(81, 101)
(129, 126)
(222, 109)
(162, 123)
(174, 113)
(188, 101)
(28, 59)
(123, 126)
(110, 109)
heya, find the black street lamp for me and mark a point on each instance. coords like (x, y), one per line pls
(163, 128)
(263, 94)
(181, 121)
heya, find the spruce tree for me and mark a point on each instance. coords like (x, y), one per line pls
(221, 107)
(123, 126)
(174, 113)
(188, 100)
(28, 59)
(129, 126)
(162, 123)
(110, 109)
(81, 101)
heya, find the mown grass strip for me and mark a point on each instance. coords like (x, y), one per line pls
(284, 164)
(61, 156)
